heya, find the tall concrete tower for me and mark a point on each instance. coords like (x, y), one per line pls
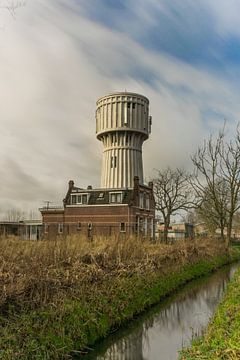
(122, 124)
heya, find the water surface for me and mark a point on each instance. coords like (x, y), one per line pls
(164, 330)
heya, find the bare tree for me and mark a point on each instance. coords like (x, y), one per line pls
(212, 210)
(230, 172)
(172, 194)
(11, 5)
(14, 215)
(217, 180)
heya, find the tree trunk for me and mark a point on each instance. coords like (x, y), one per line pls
(166, 227)
(222, 232)
(229, 232)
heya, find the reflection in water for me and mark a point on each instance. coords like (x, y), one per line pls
(172, 326)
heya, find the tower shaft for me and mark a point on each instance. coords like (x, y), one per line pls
(122, 124)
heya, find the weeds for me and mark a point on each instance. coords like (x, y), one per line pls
(38, 272)
(57, 297)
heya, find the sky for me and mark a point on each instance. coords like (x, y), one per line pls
(57, 57)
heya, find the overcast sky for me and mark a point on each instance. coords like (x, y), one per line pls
(57, 57)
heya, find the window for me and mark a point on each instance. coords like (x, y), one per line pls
(74, 199)
(137, 224)
(33, 229)
(152, 228)
(89, 226)
(144, 200)
(46, 228)
(128, 105)
(145, 226)
(79, 226)
(101, 195)
(141, 198)
(116, 198)
(60, 228)
(122, 227)
(84, 199)
(79, 199)
(147, 202)
(113, 161)
(133, 105)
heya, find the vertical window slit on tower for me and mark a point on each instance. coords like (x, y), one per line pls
(113, 161)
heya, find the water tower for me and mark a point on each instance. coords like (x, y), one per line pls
(122, 124)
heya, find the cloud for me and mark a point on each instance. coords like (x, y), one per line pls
(195, 31)
(56, 60)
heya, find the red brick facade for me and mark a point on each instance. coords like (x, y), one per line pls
(132, 213)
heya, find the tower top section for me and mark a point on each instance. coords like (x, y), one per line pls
(123, 111)
(122, 125)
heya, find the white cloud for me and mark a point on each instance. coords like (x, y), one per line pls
(55, 64)
(227, 16)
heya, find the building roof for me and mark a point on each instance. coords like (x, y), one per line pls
(101, 196)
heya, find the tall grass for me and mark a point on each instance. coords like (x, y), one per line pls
(58, 297)
(35, 273)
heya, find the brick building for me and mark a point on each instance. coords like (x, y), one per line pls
(123, 204)
(102, 212)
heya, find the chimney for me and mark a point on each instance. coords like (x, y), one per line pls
(150, 184)
(136, 182)
(70, 184)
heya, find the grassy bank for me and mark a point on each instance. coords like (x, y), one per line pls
(59, 297)
(222, 339)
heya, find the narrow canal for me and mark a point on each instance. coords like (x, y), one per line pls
(164, 330)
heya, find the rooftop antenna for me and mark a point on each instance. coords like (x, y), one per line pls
(47, 202)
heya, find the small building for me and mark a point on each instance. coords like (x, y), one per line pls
(9, 228)
(30, 229)
(177, 231)
(25, 229)
(200, 229)
(185, 228)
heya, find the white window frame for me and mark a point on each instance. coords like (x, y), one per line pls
(141, 200)
(145, 226)
(147, 202)
(79, 196)
(152, 228)
(46, 228)
(115, 194)
(60, 228)
(73, 196)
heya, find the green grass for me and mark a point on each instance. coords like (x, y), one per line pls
(222, 339)
(55, 331)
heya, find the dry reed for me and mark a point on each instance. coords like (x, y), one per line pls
(38, 273)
